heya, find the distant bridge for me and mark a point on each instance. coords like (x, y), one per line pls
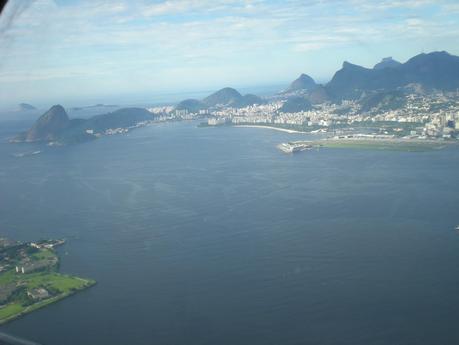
(6, 339)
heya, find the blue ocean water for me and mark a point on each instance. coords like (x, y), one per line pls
(213, 236)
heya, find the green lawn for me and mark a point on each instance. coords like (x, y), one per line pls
(10, 310)
(63, 283)
(44, 254)
(59, 285)
(8, 277)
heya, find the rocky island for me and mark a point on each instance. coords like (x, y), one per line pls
(56, 127)
(29, 278)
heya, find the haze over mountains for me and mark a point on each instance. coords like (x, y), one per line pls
(382, 87)
(304, 82)
(387, 62)
(48, 127)
(434, 71)
(226, 97)
(25, 107)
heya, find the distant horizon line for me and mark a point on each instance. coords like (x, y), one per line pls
(142, 96)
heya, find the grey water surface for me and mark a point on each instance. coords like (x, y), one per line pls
(213, 236)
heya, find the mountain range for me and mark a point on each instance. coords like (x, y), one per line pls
(382, 87)
(226, 97)
(436, 71)
(433, 71)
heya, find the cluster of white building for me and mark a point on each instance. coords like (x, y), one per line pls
(434, 115)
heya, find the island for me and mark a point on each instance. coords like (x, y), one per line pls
(25, 107)
(30, 278)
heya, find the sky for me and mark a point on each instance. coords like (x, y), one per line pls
(77, 51)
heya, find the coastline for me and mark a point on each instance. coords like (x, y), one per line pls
(386, 143)
(401, 140)
(35, 306)
(31, 279)
(367, 143)
(391, 144)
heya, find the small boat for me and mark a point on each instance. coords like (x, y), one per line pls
(25, 154)
(457, 227)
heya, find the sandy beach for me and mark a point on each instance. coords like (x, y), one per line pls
(291, 131)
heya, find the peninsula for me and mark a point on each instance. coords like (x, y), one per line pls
(370, 142)
(29, 278)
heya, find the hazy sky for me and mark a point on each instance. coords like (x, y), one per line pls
(57, 51)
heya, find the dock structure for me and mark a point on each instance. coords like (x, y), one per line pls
(294, 146)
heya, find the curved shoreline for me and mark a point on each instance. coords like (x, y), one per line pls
(27, 310)
(290, 131)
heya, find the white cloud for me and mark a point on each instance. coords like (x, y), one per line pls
(124, 37)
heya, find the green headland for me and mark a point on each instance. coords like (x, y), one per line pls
(29, 278)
